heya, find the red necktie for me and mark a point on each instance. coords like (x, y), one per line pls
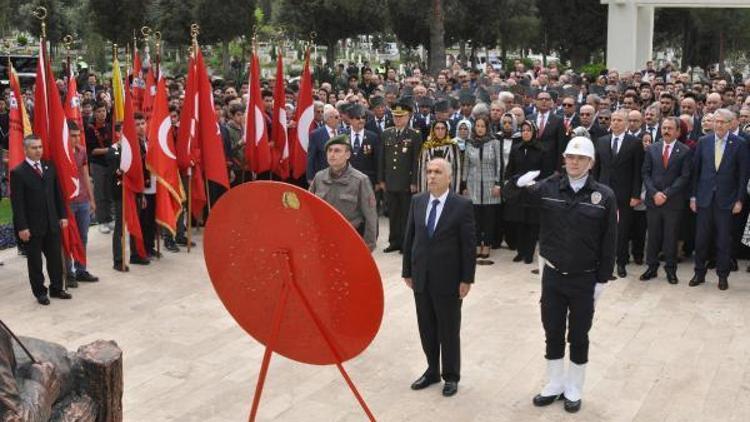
(541, 127)
(665, 155)
(37, 169)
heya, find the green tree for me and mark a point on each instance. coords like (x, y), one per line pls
(173, 19)
(116, 20)
(576, 29)
(222, 21)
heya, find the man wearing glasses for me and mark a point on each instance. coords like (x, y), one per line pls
(551, 132)
(569, 115)
(719, 179)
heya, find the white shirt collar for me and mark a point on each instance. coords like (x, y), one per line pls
(441, 198)
(361, 134)
(577, 184)
(33, 163)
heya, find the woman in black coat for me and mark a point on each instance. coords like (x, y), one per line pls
(520, 213)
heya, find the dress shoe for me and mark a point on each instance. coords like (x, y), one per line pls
(43, 300)
(733, 265)
(540, 400)
(638, 260)
(424, 381)
(528, 260)
(650, 273)
(182, 240)
(121, 268)
(171, 246)
(696, 280)
(612, 278)
(450, 388)
(62, 294)
(672, 277)
(86, 277)
(153, 254)
(139, 261)
(723, 283)
(572, 406)
(519, 258)
(535, 271)
(391, 248)
(621, 271)
(70, 281)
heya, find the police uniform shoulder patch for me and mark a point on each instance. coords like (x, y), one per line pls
(596, 197)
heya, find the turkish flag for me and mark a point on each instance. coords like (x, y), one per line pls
(280, 152)
(188, 143)
(305, 118)
(257, 149)
(162, 162)
(131, 166)
(73, 103)
(61, 153)
(41, 115)
(213, 159)
(138, 85)
(149, 94)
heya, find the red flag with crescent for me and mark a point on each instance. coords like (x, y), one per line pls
(213, 160)
(73, 102)
(305, 119)
(280, 150)
(257, 149)
(131, 166)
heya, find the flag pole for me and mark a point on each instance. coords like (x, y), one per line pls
(194, 31)
(122, 185)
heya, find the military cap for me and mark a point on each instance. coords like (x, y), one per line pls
(339, 140)
(403, 106)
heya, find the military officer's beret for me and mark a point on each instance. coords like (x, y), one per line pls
(339, 140)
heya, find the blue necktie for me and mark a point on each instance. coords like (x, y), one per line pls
(432, 217)
(357, 144)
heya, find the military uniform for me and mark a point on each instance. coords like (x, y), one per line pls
(352, 195)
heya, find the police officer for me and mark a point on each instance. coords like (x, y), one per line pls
(578, 226)
(397, 174)
(347, 189)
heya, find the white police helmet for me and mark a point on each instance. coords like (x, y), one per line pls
(580, 145)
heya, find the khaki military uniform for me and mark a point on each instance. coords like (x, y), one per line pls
(352, 195)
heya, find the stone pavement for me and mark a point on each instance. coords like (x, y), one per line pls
(658, 352)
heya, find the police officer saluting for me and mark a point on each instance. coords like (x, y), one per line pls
(578, 225)
(347, 189)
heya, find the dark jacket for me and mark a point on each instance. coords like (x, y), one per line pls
(449, 257)
(397, 165)
(365, 159)
(674, 181)
(553, 140)
(316, 154)
(727, 184)
(36, 201)
(519, 205)
(622, 172)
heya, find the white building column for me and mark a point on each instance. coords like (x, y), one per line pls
(622, 33)
(644, 36)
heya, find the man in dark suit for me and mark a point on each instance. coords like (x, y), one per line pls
(651, 118)
(38, 214)
(619, 157)
(666, 173)
(439, 266)
(551, 132)
(380, 119)
(570, 118)
(720, 169)
(587, 115)
(316, 154)
(364, 144)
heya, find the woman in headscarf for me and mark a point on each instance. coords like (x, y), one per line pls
(508, 136)
(526, 156)
(439, 145)
(463, 133)
(482, 178)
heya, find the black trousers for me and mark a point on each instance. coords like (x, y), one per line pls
(485, 217)
(688, 231)
(117, 236)
(739, 250)
(638, 234)
(147, 217)
(571, 298)
(503, 229)
(713, 223)
(398, 213)
(439, 321)
(526, 237)
(49, 245)
(625, 215)
(663, 231)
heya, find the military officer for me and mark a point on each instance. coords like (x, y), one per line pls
(397, 173)
(347, 189)
(577, 265)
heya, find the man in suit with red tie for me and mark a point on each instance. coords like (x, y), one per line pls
(720, 170)
(551, 132)
(619, 157)
(666, 173)
(38, 214)
(439, 264)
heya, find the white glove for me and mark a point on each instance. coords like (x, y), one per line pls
(527, 179)
(598, 290)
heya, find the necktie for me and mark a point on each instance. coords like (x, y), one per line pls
(37, 169)
(357, 143)
(615, 145)
(380, 123)
(665, 155)
(431, 218)
(541, 126)
(653, 135)
(718, 152)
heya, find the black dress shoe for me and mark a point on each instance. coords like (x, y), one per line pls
(540, 400)
(672, 277)
(424, 381)
(153, 254)
(450, 388)
(139, 261)
(62, 294)
(171, 247)
(621, 271)
(572, 406)
(43, 300)
(723, 283)
(612, 278)
(650, 273)
(696, 280)
(391, 248)
(519, 258)
(183, 241)
(70, 281)
(86, 277)
(121, 268)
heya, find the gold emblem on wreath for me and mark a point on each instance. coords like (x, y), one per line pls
(290, 200)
